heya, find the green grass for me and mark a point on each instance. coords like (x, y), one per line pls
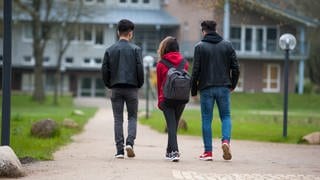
(256, 117)
(24, 112)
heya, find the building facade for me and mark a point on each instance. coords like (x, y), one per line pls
(93, 33)
(253, 27)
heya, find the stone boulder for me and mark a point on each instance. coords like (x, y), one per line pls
(78, 112)
(10, 165)
(70, 123)
(45, 128)
(313, 138)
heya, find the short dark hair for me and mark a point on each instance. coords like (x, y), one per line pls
(208, 26)
(125, 26)
(171, 45)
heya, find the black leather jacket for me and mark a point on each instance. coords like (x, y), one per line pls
(215, 64)
(122, 66)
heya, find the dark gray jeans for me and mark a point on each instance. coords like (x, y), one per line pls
(172, 115)
(119, 96)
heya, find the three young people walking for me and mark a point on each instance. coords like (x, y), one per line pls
(215, 74)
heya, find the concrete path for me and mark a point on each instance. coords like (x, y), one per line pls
(91, 156)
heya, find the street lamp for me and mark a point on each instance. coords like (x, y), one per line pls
(6, 72)
(287, 42)
(147, 63)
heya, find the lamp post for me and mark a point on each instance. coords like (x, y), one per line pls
(287, 42)
(6, 73)
(147, 63)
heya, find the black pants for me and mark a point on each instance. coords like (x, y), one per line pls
(172, 115)
(119, 96)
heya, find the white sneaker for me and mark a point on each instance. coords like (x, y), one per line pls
(130, 152)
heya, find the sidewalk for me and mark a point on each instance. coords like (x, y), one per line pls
(91, 156)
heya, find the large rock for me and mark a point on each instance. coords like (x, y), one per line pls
(70, 123)
(44, 128)
(78, 112)
(313, 138)
(10, 165)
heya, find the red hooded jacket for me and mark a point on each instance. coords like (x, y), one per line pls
(175, 58)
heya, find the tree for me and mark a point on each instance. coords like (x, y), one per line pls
(66, 32)
(44, 26)
(40, 33)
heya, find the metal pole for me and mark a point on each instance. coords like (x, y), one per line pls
(226, 20)
(6, 73)
(147, 91)
(285, 105)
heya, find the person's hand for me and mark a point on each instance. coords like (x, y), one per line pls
(231, 89)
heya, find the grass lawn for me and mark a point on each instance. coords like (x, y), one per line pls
(24, 112)
(256, 117)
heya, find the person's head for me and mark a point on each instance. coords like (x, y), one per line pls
(125, 29)
(208, 26)
(168, 44)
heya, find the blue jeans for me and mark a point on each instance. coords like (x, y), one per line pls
(208, 97)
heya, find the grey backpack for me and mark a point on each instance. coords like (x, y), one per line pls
(176, 88)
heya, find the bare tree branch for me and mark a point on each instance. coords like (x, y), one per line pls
(26, 8)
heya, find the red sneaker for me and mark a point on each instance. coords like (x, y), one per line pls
(226, 150)
(206, 156)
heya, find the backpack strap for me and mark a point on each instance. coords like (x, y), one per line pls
(181, 65)
(170, 65)
(166, 63)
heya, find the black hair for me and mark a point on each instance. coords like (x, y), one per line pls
(208, 26)
(171, 46)
(125, 26)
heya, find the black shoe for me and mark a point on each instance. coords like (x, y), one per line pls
(174, 156)
(167, 156)
(119, 155)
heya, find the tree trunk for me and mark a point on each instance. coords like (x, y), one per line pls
(38, 93)
(57, 80)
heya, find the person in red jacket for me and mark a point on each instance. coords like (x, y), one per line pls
(169, 50)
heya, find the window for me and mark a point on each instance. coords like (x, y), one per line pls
(100, 1)
(69, 60)
(27, 59)
(1, 59)
(86, 61)
(271, 39)
(98, 60)
(252, 39)
(99, 35)
(27, 31)
(123, 1)
(134, 1)
(87, 33)
(147, 39)
(271, 78)
(146, 1)
(259, 39)
(73, 33)
(235, 38)
(27, 82)
(248, 39)
(46, 60)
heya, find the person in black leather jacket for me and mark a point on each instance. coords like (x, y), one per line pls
(215, 74)
(122, 72)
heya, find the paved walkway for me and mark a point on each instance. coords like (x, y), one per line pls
(91, 156)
